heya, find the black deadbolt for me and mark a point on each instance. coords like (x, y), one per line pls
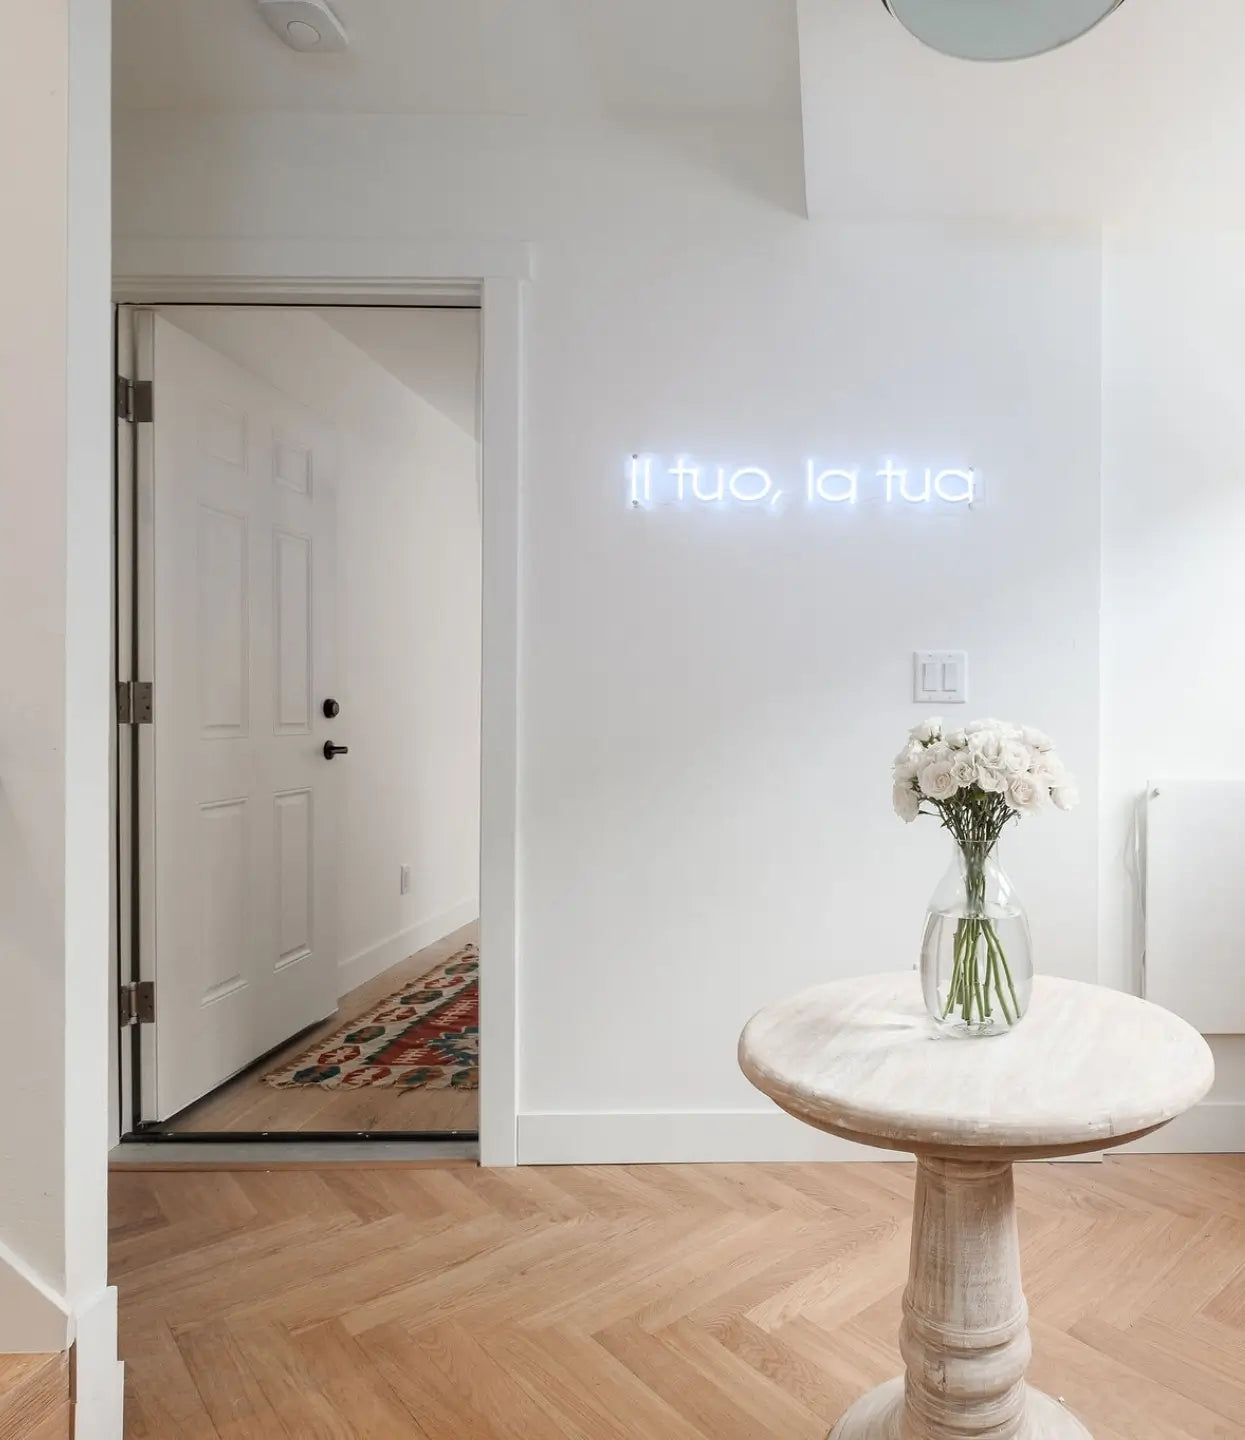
(331, 709)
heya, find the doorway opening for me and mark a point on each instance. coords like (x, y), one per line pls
(299, 583)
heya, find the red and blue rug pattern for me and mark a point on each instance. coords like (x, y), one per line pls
(425, 1036)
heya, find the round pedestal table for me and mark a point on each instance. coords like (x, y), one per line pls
(1086, 1068)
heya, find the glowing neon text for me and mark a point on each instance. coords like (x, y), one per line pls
(652, 481)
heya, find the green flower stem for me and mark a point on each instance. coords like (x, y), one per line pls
(997, 965)
(1000, 963)
(980, 970)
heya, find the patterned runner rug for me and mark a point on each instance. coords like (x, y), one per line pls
(425, 1036)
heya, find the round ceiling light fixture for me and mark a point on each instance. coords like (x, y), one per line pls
(999, 29)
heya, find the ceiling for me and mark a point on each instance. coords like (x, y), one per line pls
(1143, 118)
(435, 353)
(606, 58)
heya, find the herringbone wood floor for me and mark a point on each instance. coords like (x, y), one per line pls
(706, 1302)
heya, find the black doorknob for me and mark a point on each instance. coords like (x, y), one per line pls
(330, 749)
(331, 709)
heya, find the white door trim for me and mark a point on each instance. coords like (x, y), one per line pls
(493, 274)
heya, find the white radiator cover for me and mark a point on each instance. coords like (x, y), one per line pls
(1195, 901)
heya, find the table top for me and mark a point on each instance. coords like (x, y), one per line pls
(1086, 1068)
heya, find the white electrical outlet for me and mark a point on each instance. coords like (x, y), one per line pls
(404, 880)
(940, 677)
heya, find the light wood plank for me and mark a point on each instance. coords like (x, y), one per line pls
(34, 1396)
(55, 1427)
(651, 1303)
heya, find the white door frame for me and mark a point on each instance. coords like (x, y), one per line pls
(494, 275)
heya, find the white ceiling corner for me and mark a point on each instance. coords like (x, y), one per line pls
(1142, 119)
(435, 353)
(519, 57)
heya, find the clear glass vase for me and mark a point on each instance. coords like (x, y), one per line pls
(976, 955)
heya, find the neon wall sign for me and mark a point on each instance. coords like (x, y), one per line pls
(652, 481)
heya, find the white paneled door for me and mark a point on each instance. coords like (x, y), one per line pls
(241, 538)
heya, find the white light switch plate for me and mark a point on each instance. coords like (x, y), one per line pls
(940, 677)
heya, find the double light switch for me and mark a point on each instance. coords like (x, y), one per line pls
(940, 677)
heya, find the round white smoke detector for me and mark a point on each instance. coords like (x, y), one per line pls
(305, 25)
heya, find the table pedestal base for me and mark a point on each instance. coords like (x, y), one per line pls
(965, 1331)
(879, 1416)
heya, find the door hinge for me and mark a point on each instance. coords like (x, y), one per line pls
(134, 702)
(135, 400)
(138, 1003)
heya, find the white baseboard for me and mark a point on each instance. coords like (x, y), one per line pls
(659, 1137)
(1215, 1127)
(99, 1377)
(376, 959)
(34, 1319)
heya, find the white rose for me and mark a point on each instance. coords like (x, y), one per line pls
(988, 776)
(1013, 758)
(977, 727)
(1047, 770)
(907, 803)
(957, 739)
(1037, 739)
(911, 751)
(904, 771)
(964, 768)
(1024, 794)
(1066, 795)
(928, 730)
(937, 780)
(985, 742)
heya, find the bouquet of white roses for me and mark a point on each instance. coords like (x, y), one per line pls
(978, 778)
(975, 781)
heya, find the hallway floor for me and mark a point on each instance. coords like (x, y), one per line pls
(247, 1103)
(677, 1302)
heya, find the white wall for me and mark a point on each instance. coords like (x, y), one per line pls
(409, 660)
(1173, 581)
(33, 439)
(709, 702)
(55, 489)
(408, 631)
(89, 711)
